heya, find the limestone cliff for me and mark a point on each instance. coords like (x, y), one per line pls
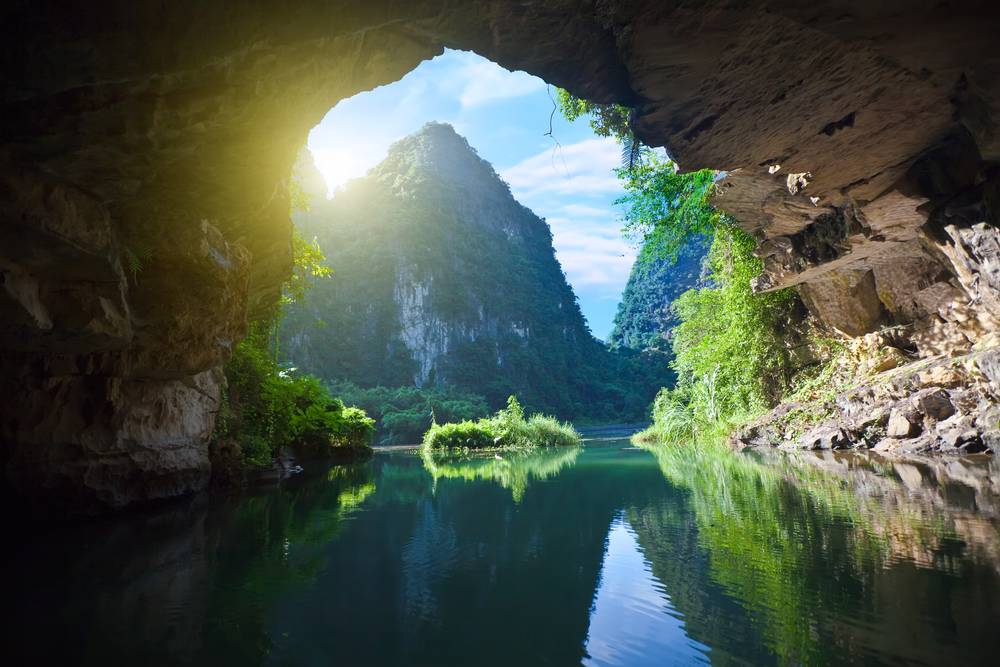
(146, 149)
(645, 314)
(441, 277)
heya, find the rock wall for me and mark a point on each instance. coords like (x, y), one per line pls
(146, 147)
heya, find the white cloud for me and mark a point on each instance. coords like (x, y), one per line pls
(582, 168)
(593, 255)
(592, 268)
(485, 81)
(584, 211)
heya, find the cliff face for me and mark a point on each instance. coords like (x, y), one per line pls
(860, 139)
(441, 277)
(645, 317)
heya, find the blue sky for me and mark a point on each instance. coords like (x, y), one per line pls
(505, 116)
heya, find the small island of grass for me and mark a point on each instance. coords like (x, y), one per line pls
(507, 429)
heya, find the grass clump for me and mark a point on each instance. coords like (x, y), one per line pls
(460, 435)
(507, 429)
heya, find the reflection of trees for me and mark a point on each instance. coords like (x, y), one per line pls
(194, 582)
(799, 559)
(826, 564)
(512, 470)
(286, 534)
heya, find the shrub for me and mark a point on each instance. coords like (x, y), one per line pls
(507, 429)
(266, 407)
(403, 414)
(460, 435)
(545, 431)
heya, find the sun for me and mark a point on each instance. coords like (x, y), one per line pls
(337, 166)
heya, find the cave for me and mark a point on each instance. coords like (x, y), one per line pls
(147, 149)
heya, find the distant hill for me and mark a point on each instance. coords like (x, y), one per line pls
(440, 277)
(645, 317)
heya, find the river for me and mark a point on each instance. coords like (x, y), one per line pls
(599, 555)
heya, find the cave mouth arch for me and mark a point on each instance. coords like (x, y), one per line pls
(559, 169)
(147, 147)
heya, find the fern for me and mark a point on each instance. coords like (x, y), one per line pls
(135, 259)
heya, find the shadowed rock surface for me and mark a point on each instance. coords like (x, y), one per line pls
(146, 148)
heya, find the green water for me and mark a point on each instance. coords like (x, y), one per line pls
(603, 555)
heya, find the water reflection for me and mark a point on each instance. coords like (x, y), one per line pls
(619, 557)
(633, 621)
(511, 470)
(842, 558)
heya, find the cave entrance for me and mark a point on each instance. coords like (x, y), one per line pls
(473, 236)
(557, 168)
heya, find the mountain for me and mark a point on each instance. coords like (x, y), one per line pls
(440, 277)
(645, 317)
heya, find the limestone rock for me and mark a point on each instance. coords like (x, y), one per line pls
(934, 403)
(826, 436)
(903, 423)
(146, 149)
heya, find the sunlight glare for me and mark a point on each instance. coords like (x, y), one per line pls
(339, 166)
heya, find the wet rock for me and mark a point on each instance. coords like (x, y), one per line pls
(827, 436)
(888, 446)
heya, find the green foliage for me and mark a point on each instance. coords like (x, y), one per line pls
(607, 120)
(136, 257)
(403, 414)
(514, 470)
(267, 407)
(507, 429)
(307, 265)
(461, 435)
(665, 209)
(729, 347)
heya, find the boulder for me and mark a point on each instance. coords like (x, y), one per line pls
(904, 422)
(826, 436)
(934, 403)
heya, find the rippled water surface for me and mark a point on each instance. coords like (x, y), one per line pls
(601, 555)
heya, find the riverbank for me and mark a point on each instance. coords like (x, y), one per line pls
(940, 405)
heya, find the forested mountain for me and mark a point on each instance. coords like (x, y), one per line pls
(441, 278)
(645, 316)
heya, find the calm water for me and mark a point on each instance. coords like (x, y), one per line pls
(602, 555)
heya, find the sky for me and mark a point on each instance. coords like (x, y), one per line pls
(504, 115)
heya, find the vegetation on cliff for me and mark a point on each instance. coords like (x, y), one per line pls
(403, 414)
(507, 429)
(646, 316)
(267, 406)
(731, 347)
(444, 279)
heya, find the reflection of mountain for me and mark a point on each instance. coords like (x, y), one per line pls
(382, 565)
(633, 621)
(513, 470)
